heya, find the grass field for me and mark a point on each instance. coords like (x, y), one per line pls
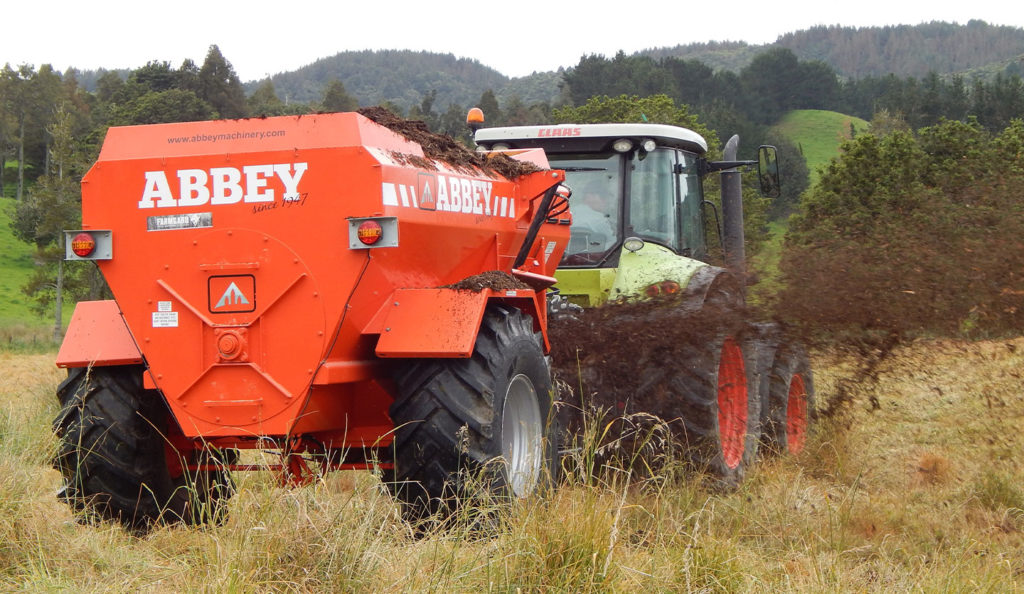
(15, 268)
(922, 493)
(19, 325)
(819, 133)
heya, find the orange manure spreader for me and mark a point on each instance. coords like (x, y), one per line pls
(340, 288)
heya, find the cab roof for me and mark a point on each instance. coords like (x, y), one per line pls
(573, 138)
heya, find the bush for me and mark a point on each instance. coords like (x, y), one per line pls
(913, 234)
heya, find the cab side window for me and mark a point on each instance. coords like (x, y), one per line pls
(691, 197)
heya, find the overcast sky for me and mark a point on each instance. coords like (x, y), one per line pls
(260, 38)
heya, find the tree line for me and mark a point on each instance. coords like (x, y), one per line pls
(859, 52)
(776, 81)
(907, 50)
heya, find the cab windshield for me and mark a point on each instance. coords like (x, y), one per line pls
(596, 183)
(662, 205)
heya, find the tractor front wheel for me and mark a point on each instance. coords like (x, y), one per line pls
(719, 408)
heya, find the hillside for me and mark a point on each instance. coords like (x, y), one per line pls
(404, 77)
(906, 50)
(902, 50)
(719, 55)
(818, 134)
(399, 77)
(15, 269)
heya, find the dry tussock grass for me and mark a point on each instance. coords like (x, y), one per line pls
(922, 492)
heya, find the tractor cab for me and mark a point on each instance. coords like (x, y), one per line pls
(627, 180)
(637, 203)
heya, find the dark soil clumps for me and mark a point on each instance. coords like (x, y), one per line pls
(495, 280)
(444, 148)
(626, 368)
(609, 348)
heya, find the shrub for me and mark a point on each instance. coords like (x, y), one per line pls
(913, 234)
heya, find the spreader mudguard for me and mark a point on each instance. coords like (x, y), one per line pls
(97, 336)
(439, 323)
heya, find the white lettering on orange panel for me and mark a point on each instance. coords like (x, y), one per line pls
(221, 185)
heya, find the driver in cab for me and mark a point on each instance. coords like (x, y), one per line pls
(592, 216)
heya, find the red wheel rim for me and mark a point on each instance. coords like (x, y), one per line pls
(732, 403)
(796, 415)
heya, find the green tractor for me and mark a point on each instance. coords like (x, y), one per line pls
(640, 232)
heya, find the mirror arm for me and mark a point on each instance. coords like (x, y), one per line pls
(713, 166)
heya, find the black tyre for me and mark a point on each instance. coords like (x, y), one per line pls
(789, 405)
(485, 418)
(114, 454)
(762, 345)
(719, 384)
(717, 390)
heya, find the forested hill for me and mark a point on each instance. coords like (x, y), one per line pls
(399, 76)
(404, 78)
(910, 51)
(903, 50)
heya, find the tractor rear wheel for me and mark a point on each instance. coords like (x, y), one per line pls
(114, 454)
(789, 404)
(485, 420)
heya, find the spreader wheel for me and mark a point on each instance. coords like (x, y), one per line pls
(116, 459)
(482, 421)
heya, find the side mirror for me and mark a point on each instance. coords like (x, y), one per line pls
(768, 171)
